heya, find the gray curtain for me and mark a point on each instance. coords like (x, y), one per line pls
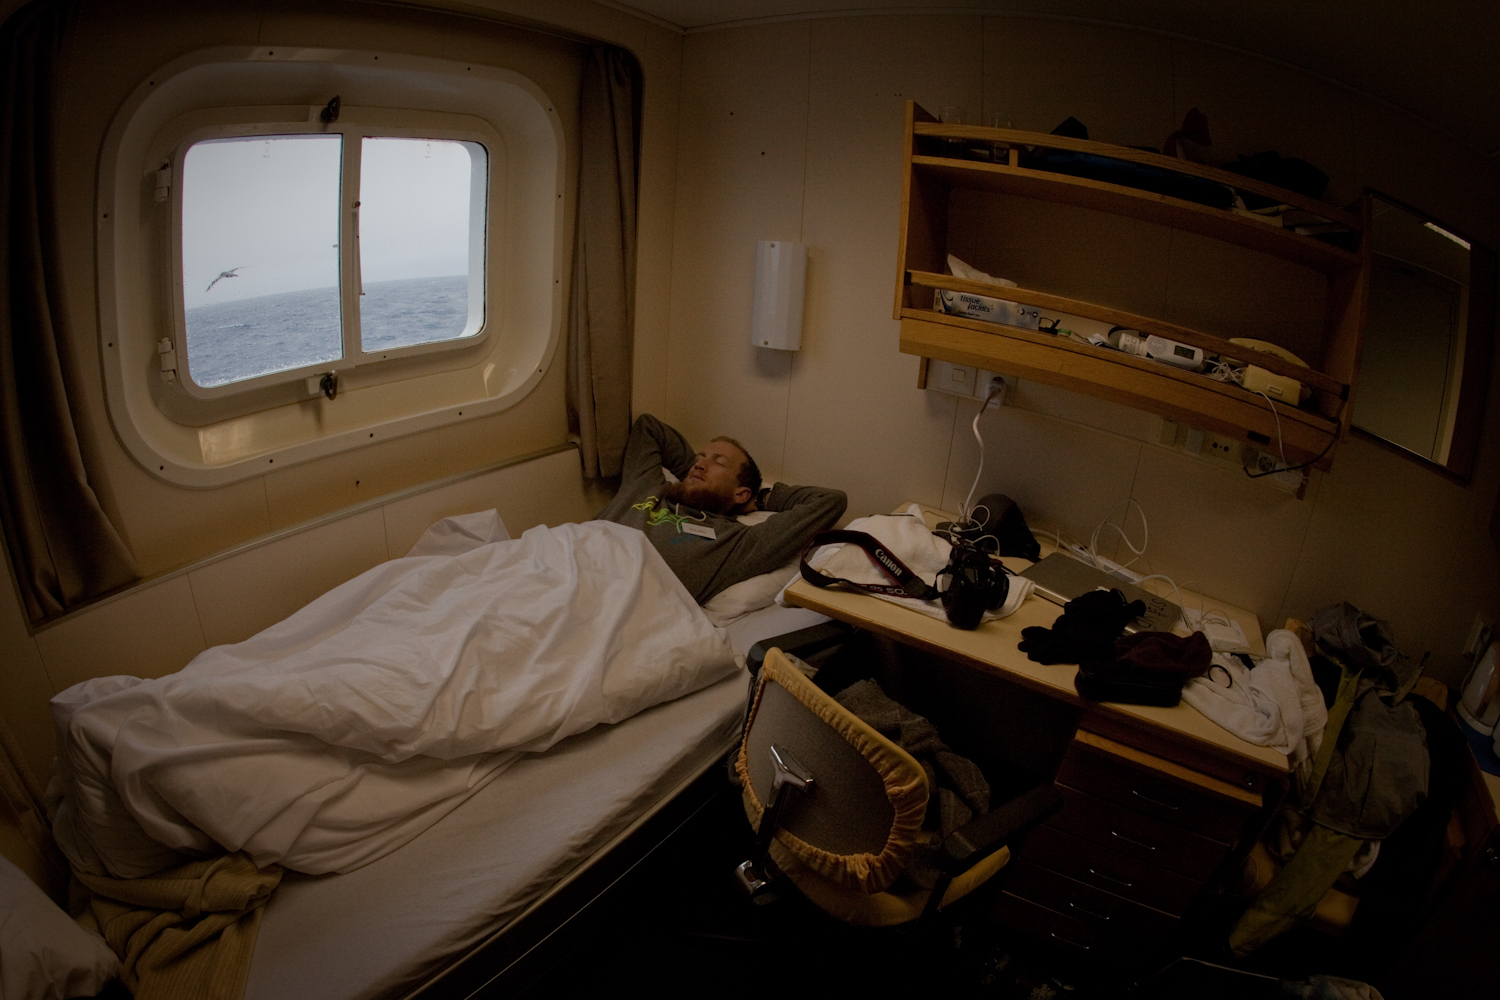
(62, 546)
(603, 307)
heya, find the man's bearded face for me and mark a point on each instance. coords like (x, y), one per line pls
(699, 495)
(713, 483)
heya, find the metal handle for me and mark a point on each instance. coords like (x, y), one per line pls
(1132, 843)
(1089, 913)
(1058, 937)
(1110, 878)
(1154, 802)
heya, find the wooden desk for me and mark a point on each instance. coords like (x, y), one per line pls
(1179, 734)
(1156, 800)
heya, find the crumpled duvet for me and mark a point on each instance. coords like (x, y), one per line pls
(339, 734)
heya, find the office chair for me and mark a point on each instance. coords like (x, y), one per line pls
(838, 809)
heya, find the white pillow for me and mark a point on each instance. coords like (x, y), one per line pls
(750, 595)
(43, 953)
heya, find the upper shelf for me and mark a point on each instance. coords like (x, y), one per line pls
(1116, 317)
(1149, 206)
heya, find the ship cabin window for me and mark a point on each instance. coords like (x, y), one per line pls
(307, 253)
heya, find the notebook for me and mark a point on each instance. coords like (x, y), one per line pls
(1060, 578)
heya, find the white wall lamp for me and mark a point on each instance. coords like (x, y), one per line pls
(780, 286)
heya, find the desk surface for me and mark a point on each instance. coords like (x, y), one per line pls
(1180, 733)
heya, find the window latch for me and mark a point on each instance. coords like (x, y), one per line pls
(329, 384)
(330, 113)
(167, 355)
(163, 182)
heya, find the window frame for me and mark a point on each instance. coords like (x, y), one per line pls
(354, 128)
(205, 443)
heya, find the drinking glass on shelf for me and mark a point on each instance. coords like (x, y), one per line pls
(999, 150)
(952, 115)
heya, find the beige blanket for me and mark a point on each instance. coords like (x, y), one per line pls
(186, 932)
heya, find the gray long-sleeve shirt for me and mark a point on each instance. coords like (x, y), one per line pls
(735, 551)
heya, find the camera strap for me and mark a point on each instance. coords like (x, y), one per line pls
(907, 583)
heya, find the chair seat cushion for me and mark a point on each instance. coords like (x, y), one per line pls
(879, 909)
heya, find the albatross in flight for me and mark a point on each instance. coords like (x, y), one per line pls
(225, 274)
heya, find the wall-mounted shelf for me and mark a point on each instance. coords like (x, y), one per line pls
(930, 181)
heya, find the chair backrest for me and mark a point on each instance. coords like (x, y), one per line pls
(857, 823)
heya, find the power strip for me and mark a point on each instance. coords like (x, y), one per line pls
(1109, 566)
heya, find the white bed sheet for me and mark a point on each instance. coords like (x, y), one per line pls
(384, 929)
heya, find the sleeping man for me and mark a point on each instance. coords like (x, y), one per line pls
(693, 523)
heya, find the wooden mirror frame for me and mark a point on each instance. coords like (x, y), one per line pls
(1478, 347)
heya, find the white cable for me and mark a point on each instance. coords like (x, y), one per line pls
(1145, 530)
(963, 512)
(1280, 442)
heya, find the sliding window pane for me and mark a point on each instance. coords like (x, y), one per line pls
(260, 256)
(421, 241)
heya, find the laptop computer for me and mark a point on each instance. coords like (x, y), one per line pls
(1060, 578)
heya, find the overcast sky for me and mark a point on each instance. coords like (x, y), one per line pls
(269, 207)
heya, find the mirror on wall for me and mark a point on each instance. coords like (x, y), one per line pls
(1425, 363)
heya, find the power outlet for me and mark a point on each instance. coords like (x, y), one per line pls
(1221, 448)
(967, 381)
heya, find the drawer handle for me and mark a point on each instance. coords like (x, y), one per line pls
(1132, 843)
(1110, 878)
(1154, 802)
(1058, 937)
(1089, 913)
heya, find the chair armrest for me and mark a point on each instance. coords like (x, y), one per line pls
(803, 643)
(978, 839)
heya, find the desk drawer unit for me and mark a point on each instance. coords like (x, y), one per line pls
(1136, 840)
(1113, 919)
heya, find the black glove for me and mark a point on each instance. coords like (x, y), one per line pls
(1086, 632)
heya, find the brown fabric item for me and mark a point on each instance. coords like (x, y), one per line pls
(1165, 653)
(905, 786)
(961, 789)
(601, 318)
(186, 933)
(63, 548)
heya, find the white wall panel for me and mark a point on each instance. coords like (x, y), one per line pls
(248, 591)
(855, 405)
(146, 633)
(741, 146)
(547, 490)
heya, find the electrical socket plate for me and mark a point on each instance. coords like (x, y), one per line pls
(966, 381)
(1221, 448)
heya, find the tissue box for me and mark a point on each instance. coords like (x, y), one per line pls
(983, 307)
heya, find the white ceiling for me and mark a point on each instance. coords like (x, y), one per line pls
(1439, 59)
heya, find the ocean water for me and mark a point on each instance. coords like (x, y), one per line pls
(233, 341)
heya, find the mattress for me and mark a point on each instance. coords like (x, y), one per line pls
(384, 929)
